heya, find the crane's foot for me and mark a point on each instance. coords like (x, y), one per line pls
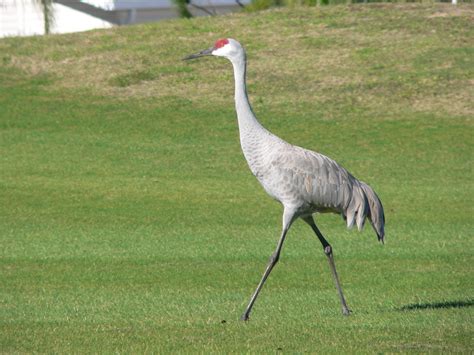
(346, 311)
(244, 317)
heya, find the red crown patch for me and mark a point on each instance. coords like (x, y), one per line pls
(221, 43)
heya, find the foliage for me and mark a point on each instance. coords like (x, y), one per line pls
(182, 6)
(48, 14)
(257, 5)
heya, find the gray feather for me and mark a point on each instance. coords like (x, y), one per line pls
(376, 215)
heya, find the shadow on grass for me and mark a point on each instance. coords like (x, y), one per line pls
(437, 305)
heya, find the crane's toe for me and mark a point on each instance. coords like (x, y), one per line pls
(244, 317)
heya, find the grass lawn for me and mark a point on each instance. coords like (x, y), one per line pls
(129, 221)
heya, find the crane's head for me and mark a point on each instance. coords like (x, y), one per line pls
(225, 47)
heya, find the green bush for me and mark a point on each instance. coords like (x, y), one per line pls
(257, 5)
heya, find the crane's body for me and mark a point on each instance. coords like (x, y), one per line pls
(303, 181)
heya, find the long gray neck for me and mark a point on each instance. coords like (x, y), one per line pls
(251, 131)
(253, 136)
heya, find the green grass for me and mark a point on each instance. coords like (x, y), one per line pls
(129, 221)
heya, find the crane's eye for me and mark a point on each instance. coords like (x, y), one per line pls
(221, 43)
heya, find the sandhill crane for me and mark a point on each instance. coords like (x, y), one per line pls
(303, 181)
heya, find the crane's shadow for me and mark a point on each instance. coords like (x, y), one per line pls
(438, 305)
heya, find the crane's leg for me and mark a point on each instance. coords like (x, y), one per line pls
(288, 218)
(328, 251)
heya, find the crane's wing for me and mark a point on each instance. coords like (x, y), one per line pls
(327, 186)
(322, 181)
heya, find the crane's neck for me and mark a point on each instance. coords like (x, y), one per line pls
(249, 127)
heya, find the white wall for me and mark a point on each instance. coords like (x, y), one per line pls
(25, 18)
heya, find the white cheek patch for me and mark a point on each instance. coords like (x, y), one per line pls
(220, 51)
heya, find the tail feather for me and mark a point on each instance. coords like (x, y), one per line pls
(376, 214)
(365, 203)
(357, 209)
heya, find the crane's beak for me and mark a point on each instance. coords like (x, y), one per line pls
(200, 54)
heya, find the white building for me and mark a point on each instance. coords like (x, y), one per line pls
(25, 17)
